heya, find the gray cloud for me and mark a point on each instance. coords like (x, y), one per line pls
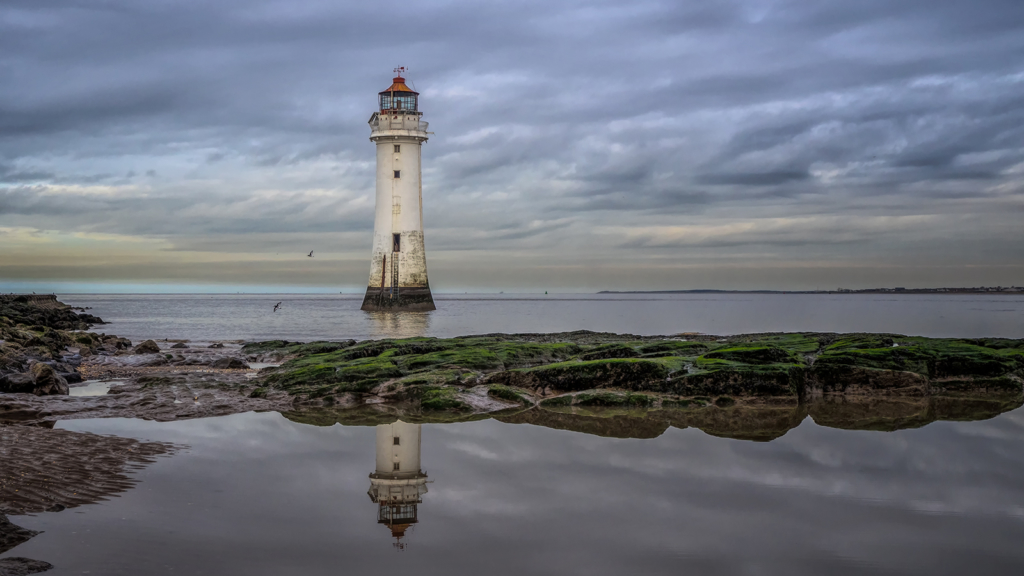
(560, 126)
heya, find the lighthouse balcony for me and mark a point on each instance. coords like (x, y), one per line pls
(384, 124)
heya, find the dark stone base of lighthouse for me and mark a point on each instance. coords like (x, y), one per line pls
(406, 300)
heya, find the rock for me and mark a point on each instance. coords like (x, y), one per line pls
(147, 347)
(48, 381)
(229, 363)
(18, 566)
(71, 377)
(180, 345)
(216, 345)
(17, 383)
(148, 360)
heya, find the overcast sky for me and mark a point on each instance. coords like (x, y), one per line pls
(578, 145)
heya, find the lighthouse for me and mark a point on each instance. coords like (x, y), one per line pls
(398, 262)
(397, 485)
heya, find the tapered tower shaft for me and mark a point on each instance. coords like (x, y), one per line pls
(398, 264)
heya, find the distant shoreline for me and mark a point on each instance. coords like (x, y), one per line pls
(941, 291)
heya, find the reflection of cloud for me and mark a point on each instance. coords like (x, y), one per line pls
(815, 501)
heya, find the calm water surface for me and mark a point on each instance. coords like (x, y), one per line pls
(313, 317)
(259, 494)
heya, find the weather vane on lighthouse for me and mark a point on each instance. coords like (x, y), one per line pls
(398, 262)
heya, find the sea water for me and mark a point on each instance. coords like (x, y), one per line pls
(255, 494)
(320, 317)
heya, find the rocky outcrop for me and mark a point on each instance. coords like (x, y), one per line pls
(793, 367)
(44, 310)
(38, 328)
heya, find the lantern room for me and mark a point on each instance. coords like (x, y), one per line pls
(399, 97)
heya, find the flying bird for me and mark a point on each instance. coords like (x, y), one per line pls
(276, 306)
(310, 254)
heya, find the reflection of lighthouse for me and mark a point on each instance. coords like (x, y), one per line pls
(398, 484)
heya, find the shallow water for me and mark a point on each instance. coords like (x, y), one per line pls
(92, 387)
(259, 494)
(313, 317)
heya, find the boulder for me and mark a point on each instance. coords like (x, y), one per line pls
(71, 377)
(180, 345)
(231, 363)
(17, 383)
(216, 345)
(47, 381)
(147, 347)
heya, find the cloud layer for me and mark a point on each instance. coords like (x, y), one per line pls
(751, 143)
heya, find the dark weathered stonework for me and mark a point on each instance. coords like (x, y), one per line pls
(407, 300)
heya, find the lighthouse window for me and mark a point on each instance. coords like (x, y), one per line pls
(396, 467)
(398, 173)
(398, 148)
(396, 246)
(397, 443)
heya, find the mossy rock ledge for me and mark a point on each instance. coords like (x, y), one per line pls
(583, 370)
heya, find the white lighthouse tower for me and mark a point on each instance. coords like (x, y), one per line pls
(398, 265)
(398, 484)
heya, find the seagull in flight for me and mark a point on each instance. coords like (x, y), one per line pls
(276, 306)
(310, 254)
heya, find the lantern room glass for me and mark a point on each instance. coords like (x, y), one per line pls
(402, 101)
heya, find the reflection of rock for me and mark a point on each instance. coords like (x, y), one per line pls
(756, 420)
(611, 424)
(398, 484)
(899, 413)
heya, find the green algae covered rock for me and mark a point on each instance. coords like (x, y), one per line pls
(527, 369)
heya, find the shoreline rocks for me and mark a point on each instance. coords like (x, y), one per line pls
(576, 375)
(40, 348)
